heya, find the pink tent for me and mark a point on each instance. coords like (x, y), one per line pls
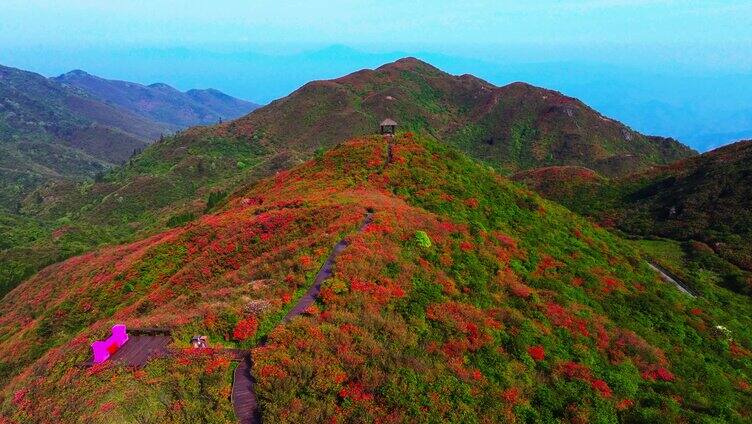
(103, 349)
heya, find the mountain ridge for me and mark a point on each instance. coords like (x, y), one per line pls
(161, 102)
(514, 126)
(704, 198)
(52, 129)
(175, 179)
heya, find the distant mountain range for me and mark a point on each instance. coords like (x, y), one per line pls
(702, 108)
(78, 125)
(160, 102)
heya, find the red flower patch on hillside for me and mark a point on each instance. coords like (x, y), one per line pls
(305, 261)
(472, 203)
(19, 399)
(356, 392)
(521, 290)
(245, 329)
(658, 373)
(546, 264)
(738, 351)
(505, 240)
(537, 352)
(511, 395)
(574, 371)
(625, 404)
(381, 293)
(609, 284)
(467, 319)
(273, 372)
(561, 317)
(602, 388)
(220, 363)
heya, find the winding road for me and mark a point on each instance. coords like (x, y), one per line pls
(669, 277)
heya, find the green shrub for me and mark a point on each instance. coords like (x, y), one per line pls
(215, 198)
(423, 240)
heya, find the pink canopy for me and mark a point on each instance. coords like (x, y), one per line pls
(103, 349)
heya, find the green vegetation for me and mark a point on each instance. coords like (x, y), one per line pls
(155, 190)
(706, 198)
(518, 311)
(423, 240)
(510, 128)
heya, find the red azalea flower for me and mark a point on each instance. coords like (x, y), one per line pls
(537, 352)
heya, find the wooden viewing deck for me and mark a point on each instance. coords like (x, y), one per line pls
(138, 350)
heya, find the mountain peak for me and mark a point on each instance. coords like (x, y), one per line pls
(75, 74)
(407, 63)
(161, 86)
(411, 60)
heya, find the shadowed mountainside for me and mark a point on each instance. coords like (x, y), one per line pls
(48, 131)
(707, 198)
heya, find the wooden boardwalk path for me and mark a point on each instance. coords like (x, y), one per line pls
(324, 273)
(146, 344)
(243, 396)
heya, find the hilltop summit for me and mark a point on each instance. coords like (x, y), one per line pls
(465, 298)
(514, 127)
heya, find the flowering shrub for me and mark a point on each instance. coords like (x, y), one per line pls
(537, 352)
(273, 372)
(511, 395)
(219, 363)
(355, 392)
(306, 261)
(574, 371)
(602, 388)
(245, 329)
(472, 203)
(658, 373)
(521, 290)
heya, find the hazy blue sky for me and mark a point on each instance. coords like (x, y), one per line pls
(680, 68)
(708, 33)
